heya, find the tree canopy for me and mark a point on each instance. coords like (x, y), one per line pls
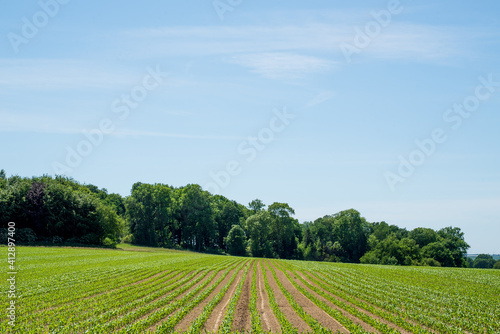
(59, 210)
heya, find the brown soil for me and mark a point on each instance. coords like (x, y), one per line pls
(186, 322)
(286, 308)
(242, 318)
(215, 319)
(317, 313)
(268, 319)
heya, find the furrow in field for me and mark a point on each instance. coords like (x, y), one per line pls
(162, 322)
(211, 276)
(216, 317)
(226, 322)
(289, 320)
(146, 305)
(187, 320)
(242, 317)
(308, 305)
(269, 321)
(152, 296)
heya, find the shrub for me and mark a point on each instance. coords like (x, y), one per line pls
(129, 239)
(430, 262)
(369, 258)
(109, 243)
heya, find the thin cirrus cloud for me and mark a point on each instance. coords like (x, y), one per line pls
(282, 65)
(56, 74)
(398, 40)
(276, 52)
(39, 123)
(46, 124)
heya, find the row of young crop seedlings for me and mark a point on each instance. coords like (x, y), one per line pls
(145, 301)
(47, 309)
(78, 305)
(397, 308)
(468, 311)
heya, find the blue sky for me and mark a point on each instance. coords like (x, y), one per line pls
(391, 108)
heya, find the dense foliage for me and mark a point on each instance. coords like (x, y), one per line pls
(61, 210)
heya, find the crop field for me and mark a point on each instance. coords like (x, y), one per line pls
(140, 290)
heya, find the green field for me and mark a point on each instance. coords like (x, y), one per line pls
(138, 290)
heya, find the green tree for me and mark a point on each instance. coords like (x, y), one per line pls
(140, 213)
(258, 229)
(351, 231)
(283, 227)
(199, 230)
(484, 261)
(236, 241)
(453, 239)
(3, 179)
(227, 213)
(256, 205)
(439, 252)
(393, 251)
(382, 230)
(423, 236)
(496, 265)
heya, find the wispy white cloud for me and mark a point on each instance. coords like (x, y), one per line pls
(283, 65)
(320, 98)
(38, 123)
(61, 74)
(277, 52)
(35, 123)
(141, 133)
(398, 40)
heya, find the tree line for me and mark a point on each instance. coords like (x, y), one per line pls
(60, 210)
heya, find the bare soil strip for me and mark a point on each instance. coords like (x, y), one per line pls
(269, 321)
(215, 319)
(186, 322)
(242, 319)
(286, 308)
(317, 313)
